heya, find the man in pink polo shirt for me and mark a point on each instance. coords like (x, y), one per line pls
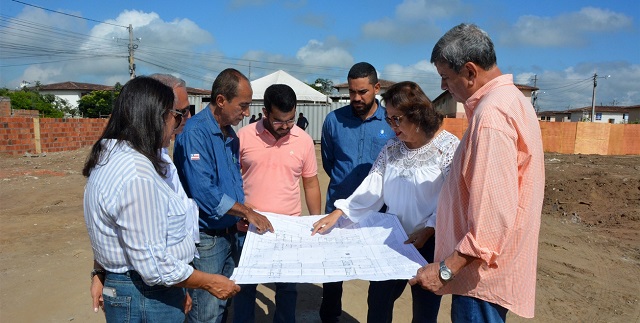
(274, 155)
(488, 216)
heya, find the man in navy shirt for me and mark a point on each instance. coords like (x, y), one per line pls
(352, 138)
(206, 157)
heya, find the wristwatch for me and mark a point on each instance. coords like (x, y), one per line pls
(445, 273)
(97, 272)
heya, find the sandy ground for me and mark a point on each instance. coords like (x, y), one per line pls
(588, 269)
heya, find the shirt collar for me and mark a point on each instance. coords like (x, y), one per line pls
(472, 102)
(216, 126)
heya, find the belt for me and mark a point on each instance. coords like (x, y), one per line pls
(220, 232)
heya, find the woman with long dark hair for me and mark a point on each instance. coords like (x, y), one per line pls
(136, 221)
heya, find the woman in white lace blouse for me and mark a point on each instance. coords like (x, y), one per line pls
(406, 177)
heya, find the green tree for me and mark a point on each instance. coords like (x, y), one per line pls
(27, 99)
(97, 104)
(324, 86)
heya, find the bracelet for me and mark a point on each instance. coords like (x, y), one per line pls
(97, 272)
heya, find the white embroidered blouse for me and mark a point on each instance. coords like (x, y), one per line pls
(407, 180)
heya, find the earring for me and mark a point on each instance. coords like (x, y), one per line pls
(417, 129)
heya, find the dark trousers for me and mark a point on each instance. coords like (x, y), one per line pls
(331, 306)
(383, 294)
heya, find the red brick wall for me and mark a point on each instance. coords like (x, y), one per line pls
(18, 136)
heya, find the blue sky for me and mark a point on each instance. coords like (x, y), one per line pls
(561, 44)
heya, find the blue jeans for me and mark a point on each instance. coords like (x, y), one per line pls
(244, 303)
(135, 301)
(466, 309)
(217, 253)
(383, 294)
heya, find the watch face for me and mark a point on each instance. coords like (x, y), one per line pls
(445, 275)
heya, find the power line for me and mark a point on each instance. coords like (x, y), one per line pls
(68, 14)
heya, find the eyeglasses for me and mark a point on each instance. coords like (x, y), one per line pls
(180, 114)
(395, 119)
(281, 123)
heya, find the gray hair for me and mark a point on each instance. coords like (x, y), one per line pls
(462, 44)
(170, 81)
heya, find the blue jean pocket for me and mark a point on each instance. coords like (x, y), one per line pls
(117, 309)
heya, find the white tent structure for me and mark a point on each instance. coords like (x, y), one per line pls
(304, 93)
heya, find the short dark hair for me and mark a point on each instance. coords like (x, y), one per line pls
(462, 44)
(363, 69)
(138, 117)
(280, 95)
(415, 105)
(226, 84)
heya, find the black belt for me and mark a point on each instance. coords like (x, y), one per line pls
(220, 232)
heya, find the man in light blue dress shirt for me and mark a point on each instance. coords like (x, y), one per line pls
(352, 138)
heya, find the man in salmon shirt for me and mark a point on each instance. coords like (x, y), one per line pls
(274, 155)
(488, 217)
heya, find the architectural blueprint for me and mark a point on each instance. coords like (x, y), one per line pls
(372, 249)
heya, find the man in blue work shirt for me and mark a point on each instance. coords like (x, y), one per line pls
(352, 138)
(206, 157)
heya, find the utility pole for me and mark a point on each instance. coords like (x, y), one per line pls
(132, 48)
(593, 98)
(534, 95)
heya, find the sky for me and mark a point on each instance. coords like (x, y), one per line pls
(557, 46)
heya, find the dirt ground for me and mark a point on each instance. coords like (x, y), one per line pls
(588, 268)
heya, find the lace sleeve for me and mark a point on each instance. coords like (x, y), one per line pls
(447, 154)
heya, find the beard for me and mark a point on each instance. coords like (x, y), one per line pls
(361, 108)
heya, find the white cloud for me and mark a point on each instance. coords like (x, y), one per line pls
(573, 87)
(101, 55)
(422, 72)
(413, 22)
(317, 53)
(564, 30)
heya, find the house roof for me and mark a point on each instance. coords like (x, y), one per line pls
(384, 84)
(79, 86)
(606, 108)
(195, 91)
(73, 86)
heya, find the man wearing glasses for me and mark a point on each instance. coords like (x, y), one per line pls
(274, 155)
(352, 138)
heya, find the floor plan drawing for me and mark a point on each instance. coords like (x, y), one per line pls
(372, 249)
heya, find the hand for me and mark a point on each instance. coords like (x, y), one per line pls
(242, 225)
(187, 303)
(420, 237)
(327, 222)
(97, 282)
(221, 287)
(428, 277)
(260, 221)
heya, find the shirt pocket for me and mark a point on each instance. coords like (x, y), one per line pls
(176, 220)
(376, 146)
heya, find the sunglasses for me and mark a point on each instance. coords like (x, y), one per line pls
(394, 120)
(180, 114)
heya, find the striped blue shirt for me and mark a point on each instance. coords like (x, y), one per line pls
(135, 220)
